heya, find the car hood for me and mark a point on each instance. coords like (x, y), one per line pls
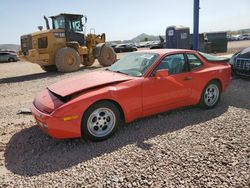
(87, 81)
(245, 53)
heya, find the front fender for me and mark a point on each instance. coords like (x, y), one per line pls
(127, 96)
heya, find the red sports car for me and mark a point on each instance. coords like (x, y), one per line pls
(140, 84)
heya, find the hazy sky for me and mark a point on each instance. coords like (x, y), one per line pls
(123, 19)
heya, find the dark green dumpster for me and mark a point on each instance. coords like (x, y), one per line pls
(215, 42)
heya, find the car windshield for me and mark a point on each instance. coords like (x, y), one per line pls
(58, 22)
(134, 64)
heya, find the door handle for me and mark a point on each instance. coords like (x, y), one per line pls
(187, 78)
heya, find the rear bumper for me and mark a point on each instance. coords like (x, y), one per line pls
(56, 127)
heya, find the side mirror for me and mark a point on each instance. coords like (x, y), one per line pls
(162, 73)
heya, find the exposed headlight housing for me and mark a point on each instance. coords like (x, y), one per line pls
(231, 61)
(59, 35)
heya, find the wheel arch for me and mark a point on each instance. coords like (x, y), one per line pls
(11, 59)
(117, 105)
(107, 100)
(100, 101)
(73, 44)
(211, 80)
(216, 80)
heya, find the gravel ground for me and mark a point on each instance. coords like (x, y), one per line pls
(188, 147)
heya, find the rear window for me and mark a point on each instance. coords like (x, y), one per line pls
(213, 58)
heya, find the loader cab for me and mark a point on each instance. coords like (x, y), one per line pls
(73, 26)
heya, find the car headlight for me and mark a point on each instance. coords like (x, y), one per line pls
(232, 59)
(59, 35)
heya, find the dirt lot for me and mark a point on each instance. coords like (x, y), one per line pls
(235, 46)
(238, 44)
(189, 147)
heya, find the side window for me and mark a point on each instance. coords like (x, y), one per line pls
(43, 42)
(194, 62)
(174, 63)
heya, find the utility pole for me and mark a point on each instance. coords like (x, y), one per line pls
(196, 25)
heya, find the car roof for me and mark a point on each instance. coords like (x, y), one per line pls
(66, 14)
(6, 52)
(166, 51)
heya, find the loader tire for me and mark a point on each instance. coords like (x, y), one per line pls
(107, 56)
(49, 68)
(67, 60)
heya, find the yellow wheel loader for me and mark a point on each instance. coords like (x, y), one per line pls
(65, 47)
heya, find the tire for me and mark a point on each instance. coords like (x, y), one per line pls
(211, 95)
(96, 129)
(67, 60)
(49, 68)
(11, 59)
(107, 56)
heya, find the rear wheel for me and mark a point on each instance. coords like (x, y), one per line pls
(107, 56)
(49, 68)
(11, 59)
(67, 60)
(100, 121)
(211, 95)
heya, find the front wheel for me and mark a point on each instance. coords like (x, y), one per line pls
(107, 56)
(211, 95)
(67, 60)
(100, 121)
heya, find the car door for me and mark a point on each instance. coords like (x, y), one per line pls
(199, 76)
(170, 92)
(122, 48)
(126, 48)
(1, 56)
(4, 57)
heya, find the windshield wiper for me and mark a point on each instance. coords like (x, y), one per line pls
(121, 72)
(116, 71)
